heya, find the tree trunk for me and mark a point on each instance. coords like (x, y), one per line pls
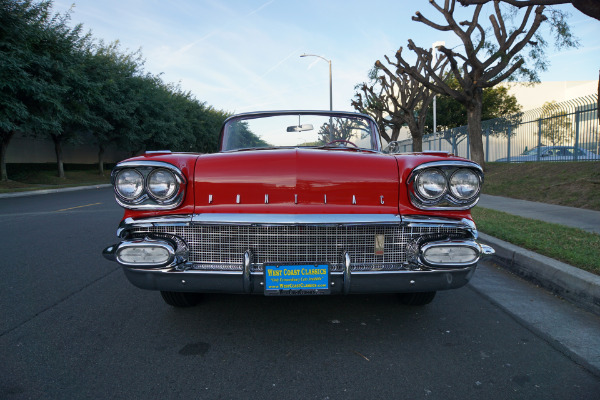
(395, 132)
(417, 138)
(474, 109)
(59, 156)
(100, 159)
(3, 146)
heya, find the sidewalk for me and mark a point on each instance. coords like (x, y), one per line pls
(48, 191)
(588, 220)
(574, 284)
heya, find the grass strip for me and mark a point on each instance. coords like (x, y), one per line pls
(46, 179)
(570, 245)
(573, 184)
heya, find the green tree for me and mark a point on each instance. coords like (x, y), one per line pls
(57, 83)
(497, 103)
(113, 101)
(28, 95)
(556, 126)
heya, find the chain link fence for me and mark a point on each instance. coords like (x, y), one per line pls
(566, 131)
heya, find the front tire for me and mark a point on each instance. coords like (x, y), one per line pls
(416, 299)
(181, 299)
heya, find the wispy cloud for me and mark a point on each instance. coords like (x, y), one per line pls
(261, 7)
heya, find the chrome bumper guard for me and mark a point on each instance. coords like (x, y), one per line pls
(178, 274)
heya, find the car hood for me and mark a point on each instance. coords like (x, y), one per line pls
(296, 181)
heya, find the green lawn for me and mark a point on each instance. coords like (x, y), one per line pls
(44, 176)
(570, 245)
(574, 184)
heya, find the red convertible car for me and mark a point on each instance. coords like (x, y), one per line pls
(297, 203)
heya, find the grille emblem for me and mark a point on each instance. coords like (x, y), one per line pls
(379, 244)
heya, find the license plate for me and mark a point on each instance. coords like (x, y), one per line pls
(293, 280)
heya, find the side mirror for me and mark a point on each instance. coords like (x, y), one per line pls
(392, 147)
(300, 128)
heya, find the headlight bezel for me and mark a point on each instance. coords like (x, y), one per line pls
(147, 200)
(449, 200)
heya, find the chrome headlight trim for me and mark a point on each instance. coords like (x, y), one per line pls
(447, 201)
(149, 200)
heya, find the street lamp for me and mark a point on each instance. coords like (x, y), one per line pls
(330, 92)
(434, 48)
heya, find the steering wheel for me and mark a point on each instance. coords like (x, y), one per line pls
(341, 141)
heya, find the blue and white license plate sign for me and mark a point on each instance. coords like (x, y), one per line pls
(296, 279)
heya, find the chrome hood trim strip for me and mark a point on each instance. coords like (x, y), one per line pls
(296, 219)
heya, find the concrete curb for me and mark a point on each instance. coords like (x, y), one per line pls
(576, 285)
(48, 191)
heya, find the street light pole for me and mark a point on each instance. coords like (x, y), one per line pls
(330, 92)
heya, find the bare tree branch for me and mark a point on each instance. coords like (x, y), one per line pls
(403, 98)
(590, 8)
(473, 71)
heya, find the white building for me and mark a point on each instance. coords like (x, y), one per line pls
(531, 96)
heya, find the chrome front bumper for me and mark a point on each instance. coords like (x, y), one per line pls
(341, 283)
(179, 272)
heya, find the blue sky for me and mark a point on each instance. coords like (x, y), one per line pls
(244, 55)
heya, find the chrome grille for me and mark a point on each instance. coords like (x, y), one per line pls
(222, 247)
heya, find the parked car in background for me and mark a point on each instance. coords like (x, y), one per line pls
(553, 153)
(297, 203)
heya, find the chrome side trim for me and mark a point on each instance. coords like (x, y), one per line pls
(295, 219)
(171, 220)
(426, 220)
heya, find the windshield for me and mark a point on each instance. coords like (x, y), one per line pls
(299, 130)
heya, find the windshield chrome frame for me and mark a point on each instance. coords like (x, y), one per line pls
(375, 137)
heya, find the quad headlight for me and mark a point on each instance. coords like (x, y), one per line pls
(431, 184)
(147, 185)
(464, 184)
(445, 185)
(162, 184)
(129, 184)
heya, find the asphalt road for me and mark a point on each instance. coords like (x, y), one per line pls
(72, 327)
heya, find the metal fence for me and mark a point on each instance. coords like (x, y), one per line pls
(566, 131)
